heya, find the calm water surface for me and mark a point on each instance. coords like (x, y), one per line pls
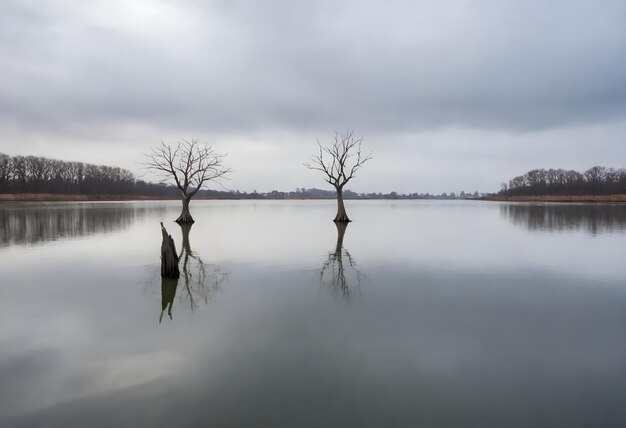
(434, 314)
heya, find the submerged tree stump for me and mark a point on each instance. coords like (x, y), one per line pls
(169, 257)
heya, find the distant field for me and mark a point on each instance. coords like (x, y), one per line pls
(557, 198)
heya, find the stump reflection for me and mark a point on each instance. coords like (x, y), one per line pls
(168, 292)
(199, 281)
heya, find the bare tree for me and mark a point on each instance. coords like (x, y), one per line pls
(5, 172)
(339, 161)
(191, 164)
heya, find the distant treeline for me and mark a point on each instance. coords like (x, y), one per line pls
(598, 180)
(348, 194)
(36, 174)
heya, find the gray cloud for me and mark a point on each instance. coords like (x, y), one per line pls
(241, 67)
(317, 65)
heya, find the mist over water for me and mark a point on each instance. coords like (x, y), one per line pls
(419, 313)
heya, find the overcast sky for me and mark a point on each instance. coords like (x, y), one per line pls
(450, 95)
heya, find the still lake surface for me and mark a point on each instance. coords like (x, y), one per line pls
(420, 313)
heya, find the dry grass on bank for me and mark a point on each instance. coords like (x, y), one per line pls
(557, 198)
(50, 197)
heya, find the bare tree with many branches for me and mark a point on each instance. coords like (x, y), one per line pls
(339, 161)
(191, 164)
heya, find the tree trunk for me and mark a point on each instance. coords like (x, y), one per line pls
(185, 251)
(185, 228)
(185, 215)
(169, 258)
(341, 232)
(341, 216)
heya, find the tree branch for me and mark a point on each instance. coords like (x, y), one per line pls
(334, 159)
(191, 164)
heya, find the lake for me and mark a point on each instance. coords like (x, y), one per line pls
(419, 313)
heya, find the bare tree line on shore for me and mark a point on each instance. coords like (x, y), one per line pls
(598, 180)
(37, 174)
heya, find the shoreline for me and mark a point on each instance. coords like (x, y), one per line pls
(557, 198)
(52, 197)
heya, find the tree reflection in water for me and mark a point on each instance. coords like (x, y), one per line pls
(200, 281)
(595, 218)
(28, 224)
(339, 271)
